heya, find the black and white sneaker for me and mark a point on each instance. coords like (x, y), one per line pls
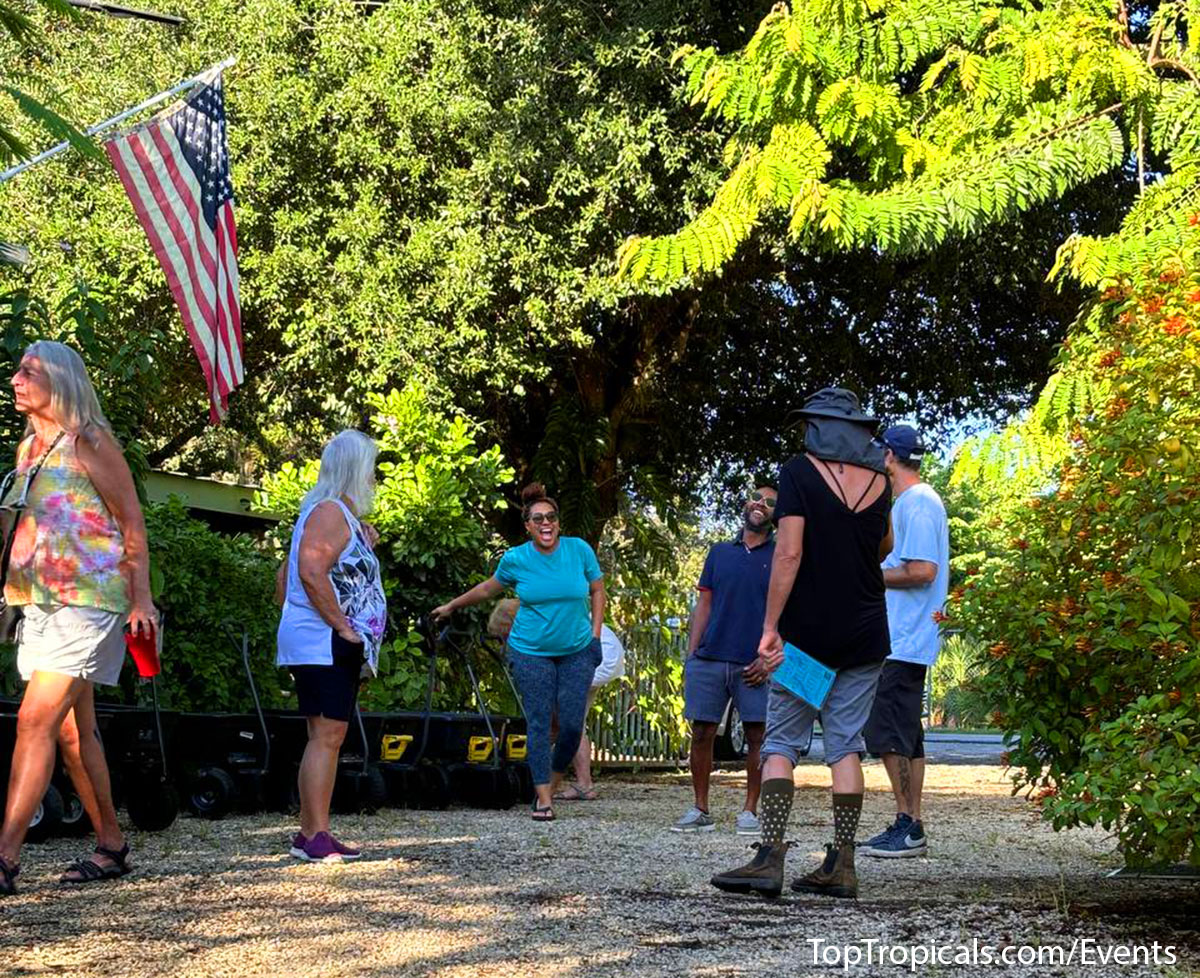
(902, 841)
(875, 840)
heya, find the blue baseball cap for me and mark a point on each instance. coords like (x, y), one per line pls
(905, 442)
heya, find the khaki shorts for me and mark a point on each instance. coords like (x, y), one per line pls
(82, 642)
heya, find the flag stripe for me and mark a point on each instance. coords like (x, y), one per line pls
(228, 252)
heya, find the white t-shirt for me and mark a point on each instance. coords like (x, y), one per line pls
(921, 533)
(613, 664)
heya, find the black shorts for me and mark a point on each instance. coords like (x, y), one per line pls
(895, 723)
(331, 691)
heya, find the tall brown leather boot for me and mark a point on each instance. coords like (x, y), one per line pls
(763, 874)
(834, 877)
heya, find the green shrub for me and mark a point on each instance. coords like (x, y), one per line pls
(205, 582)
(1089, 597)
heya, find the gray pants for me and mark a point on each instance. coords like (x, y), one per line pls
(845, 713)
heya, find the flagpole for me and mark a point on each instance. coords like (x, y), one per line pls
(120, 117)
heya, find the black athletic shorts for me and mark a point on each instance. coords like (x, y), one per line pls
(331, 691)
(895, 723)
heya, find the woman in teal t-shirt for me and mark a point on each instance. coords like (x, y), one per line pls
(554, 645)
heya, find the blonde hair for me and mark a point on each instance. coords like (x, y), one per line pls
(501, 619)
(73, 401)
(347, 469)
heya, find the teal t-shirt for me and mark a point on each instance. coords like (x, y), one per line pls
(555, 617)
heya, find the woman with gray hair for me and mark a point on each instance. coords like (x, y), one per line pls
(78, 567)
(334, 612)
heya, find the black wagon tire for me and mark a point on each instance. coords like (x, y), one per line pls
(47, 819)
(152, 803)
(75, 820)
(731, 745)
(436, 792)
(212, 793)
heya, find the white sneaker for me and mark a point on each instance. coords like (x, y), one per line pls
(694, 820)
(748, 824)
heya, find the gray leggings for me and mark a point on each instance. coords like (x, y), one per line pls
(552, 684)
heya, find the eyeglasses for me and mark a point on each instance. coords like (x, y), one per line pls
(762, 497)
(540, 518)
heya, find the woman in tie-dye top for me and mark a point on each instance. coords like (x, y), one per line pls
(79, 569)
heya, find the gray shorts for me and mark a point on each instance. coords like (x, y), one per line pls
(845, 713)
(84, 642)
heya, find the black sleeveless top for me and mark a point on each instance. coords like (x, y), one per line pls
(836, 611)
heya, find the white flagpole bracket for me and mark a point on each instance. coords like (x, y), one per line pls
(120, 117)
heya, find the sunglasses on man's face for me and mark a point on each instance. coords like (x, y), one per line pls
(762, 497)
(540, 518)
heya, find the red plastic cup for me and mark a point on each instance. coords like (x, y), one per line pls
(143, 646)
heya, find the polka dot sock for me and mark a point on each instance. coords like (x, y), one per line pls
(774, 807)
(846, 809)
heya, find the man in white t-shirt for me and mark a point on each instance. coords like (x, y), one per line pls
(917, 577)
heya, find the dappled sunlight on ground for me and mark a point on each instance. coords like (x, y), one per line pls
(605, 890)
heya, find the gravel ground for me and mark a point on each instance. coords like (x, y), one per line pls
(605, 890)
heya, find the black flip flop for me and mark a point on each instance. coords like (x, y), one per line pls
(543, 814)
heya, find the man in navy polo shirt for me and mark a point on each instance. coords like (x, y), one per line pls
(723, 661)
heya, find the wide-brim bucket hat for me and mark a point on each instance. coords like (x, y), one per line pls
(836, 402)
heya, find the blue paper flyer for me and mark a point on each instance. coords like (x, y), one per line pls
(804, 676)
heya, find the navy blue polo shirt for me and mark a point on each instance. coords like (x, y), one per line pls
(737, 576)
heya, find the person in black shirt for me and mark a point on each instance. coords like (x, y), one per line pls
(826, 598)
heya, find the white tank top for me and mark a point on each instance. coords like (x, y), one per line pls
(304, 637)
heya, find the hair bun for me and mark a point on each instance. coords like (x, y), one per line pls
(535, 492)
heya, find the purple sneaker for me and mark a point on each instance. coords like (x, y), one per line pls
(298, 844)
(345, 850)
(320, 849)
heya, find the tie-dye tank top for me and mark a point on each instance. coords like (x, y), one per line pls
(67, 549)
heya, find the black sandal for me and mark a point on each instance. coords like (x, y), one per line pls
(8, 875)
(543, 814)
(92, 872)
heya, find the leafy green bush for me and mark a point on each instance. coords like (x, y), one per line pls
(205, 582)
(1088, 600)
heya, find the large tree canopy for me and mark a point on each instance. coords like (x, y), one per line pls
(897, 126)
(436, 188)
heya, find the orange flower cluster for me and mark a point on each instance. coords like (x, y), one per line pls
(1110, 358)
(1175, 326)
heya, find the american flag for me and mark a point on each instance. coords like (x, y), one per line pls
(175, 168)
